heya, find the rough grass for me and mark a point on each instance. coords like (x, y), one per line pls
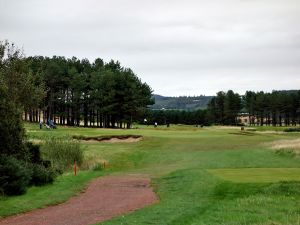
(62, 152)
(287, 146)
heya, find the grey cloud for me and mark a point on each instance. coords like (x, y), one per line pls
(195, 46)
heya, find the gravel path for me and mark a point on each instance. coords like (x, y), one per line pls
(104, 199)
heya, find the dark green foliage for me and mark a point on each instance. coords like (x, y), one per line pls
(34, 152)
(14, 176)
(41, 175)
(164, 117)
(20, 163)
(11, 131)
(42, 172)
(224, 108)
(276, 108)
(232, 107)
(99, 94)
(19, 90)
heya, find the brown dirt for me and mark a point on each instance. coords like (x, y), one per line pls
(104, 199)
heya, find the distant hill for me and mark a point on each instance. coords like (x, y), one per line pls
(181, 103)
(188, 102)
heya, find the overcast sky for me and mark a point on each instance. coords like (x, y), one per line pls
(178, 47)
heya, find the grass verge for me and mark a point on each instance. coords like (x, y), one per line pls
(61, 190)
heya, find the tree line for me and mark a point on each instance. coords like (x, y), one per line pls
(80, 92)
(77, 92)
(222, 109)
(164, 117)
(276, 108)
(227, 108)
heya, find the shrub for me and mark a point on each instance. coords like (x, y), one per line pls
(41, 175)
(34, 152)
(62, 152)
(14, 176)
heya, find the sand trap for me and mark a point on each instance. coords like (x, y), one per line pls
(110, 139)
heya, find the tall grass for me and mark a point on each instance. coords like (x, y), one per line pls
(287, 146)
(62, 152)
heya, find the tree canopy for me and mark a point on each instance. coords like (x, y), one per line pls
(98, 93)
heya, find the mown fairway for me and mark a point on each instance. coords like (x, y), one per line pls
(202, 176)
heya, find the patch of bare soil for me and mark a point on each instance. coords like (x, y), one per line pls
(104, 199)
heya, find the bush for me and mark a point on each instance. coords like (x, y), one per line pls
(14, 176)
(62, 152)
(41, 175)
(34, 152)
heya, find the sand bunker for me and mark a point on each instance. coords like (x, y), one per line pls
(110, 139)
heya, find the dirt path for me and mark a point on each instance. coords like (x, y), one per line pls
(104, 198)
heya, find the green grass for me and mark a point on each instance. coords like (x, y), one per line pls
(63, 188)
(188, 169)
(257, 175)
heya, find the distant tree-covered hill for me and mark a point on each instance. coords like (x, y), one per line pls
(181, 103)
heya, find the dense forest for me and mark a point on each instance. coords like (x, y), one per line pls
(224, 108)
(276, 108)
(165, 117)
(78, 92)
